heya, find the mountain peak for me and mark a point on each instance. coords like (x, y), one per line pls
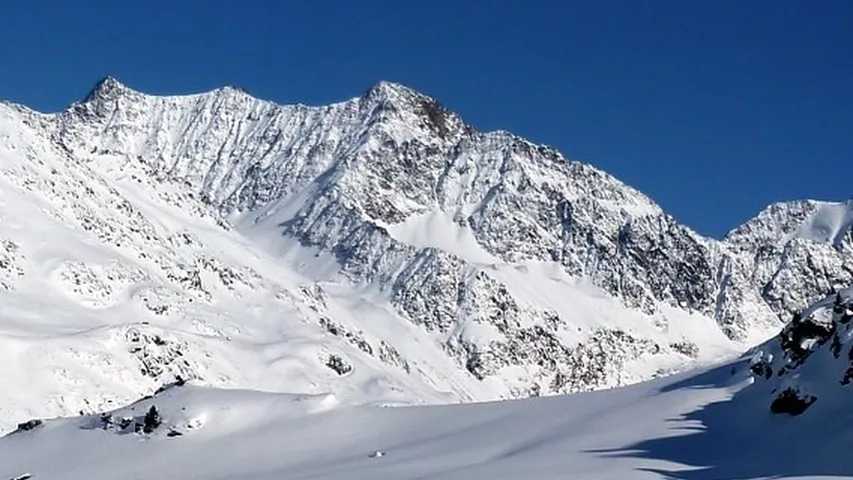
(233, 90)
(385, 87)
(107, 87)
(390, 96)
(396, 94)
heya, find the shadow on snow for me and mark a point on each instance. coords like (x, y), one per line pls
(740, 439)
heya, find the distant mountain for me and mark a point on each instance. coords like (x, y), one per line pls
(379, 249)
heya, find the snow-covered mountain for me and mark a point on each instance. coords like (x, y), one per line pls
(781, 410)
(378, 249)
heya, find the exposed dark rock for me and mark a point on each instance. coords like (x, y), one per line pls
(125, 423)
(152, 420)
(762, 368)
(29, 425)
(686, 348)
(792, 402)
(797, 336)
(338, 364)
(179, 382)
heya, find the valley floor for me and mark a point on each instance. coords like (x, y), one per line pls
(703, 425)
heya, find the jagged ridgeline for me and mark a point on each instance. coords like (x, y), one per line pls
(377, 248)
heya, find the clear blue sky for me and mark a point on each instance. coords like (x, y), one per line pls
(714, 109)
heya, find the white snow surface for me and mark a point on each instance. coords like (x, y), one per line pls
(829, 223)
(702, 425)
(436, 229)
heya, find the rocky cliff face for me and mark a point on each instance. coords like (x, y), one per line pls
(524, 272)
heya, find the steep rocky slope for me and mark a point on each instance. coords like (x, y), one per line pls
(378, 248)
(342, 177)
(795, 253)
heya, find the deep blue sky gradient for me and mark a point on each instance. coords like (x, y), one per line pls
(714, 109)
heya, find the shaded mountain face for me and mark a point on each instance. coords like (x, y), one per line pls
(423, 259)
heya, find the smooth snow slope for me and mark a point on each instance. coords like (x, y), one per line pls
(829, 224)
(707, 425)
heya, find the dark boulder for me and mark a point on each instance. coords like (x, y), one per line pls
(152, 420)
(792, 402)
(28, 425)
